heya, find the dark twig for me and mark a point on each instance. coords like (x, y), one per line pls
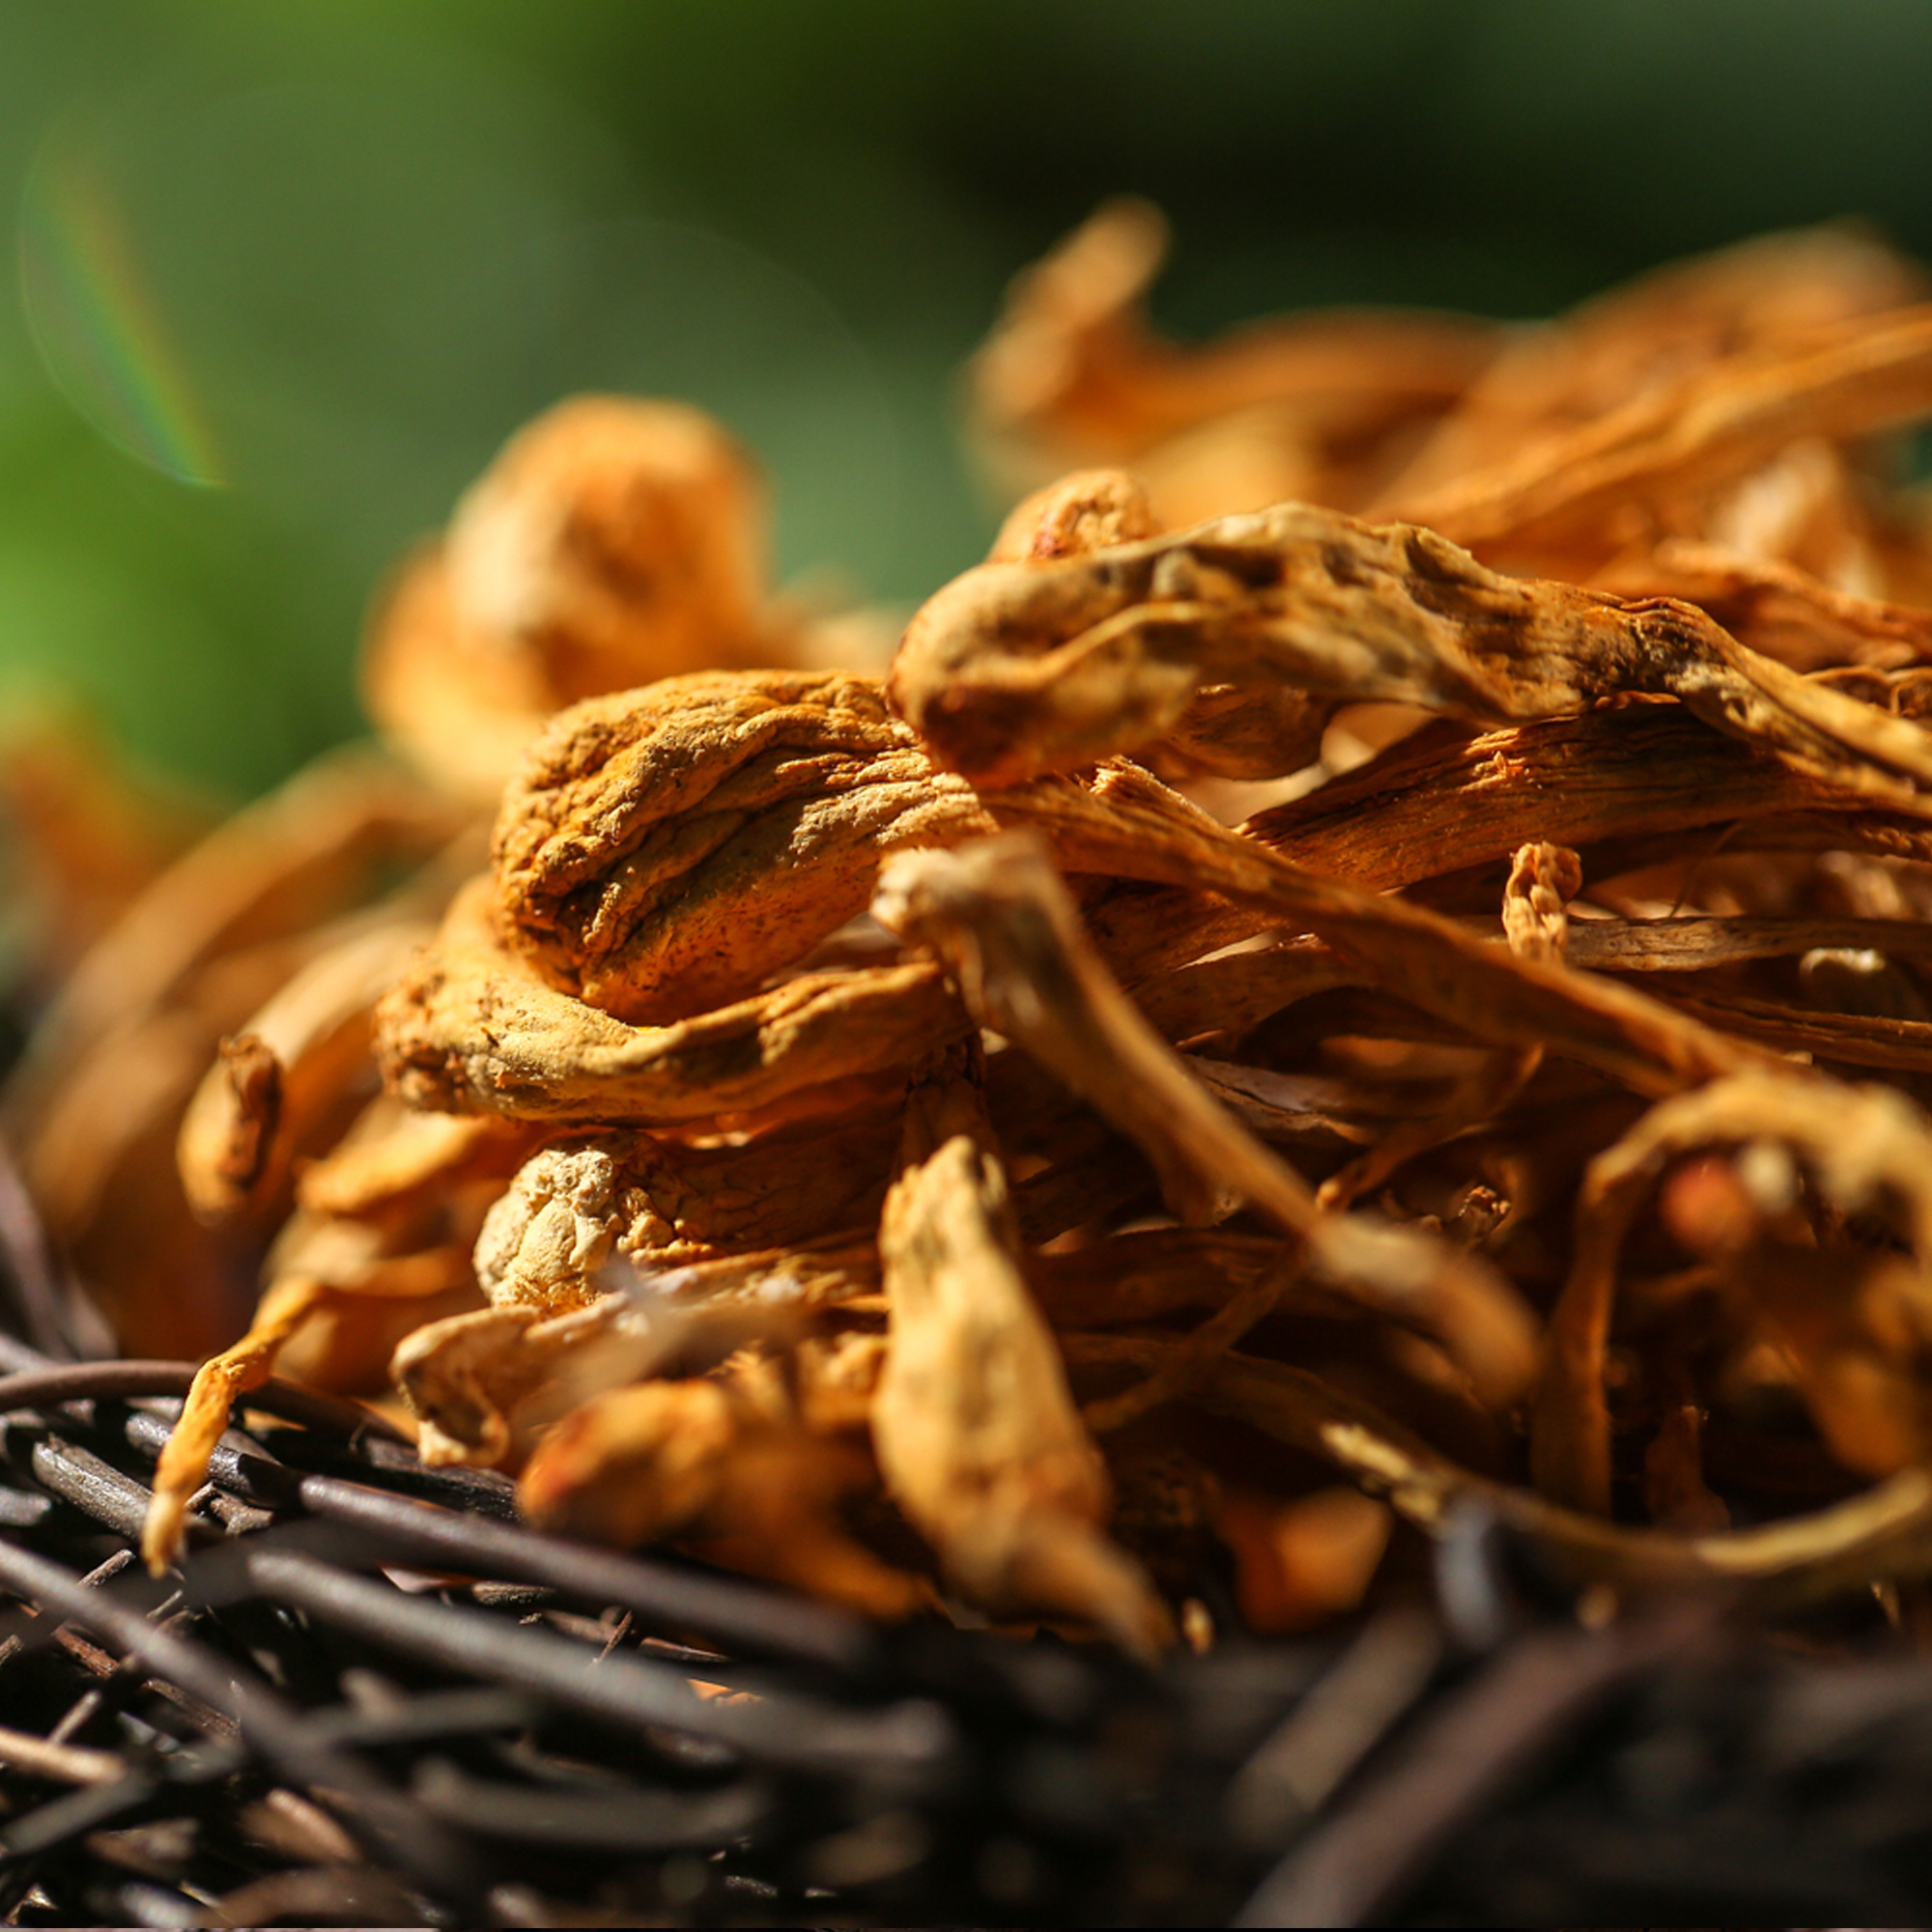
(1351, 1869)
(905, 1741)
(81, 1381)
(381, 1817)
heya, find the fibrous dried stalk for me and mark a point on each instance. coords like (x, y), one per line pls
(1002, 921)
(1232, 644)
(976, 1435)
(1867, 1151)
(1887, 1531)
(279, 1075)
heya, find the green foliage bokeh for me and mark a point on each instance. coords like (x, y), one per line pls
(363, 242)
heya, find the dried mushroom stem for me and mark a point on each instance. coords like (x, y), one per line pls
(1691, 942)
(1765, 295)
(724, 1465)
(1536, 927)
(467, 1032)
(218, 1384)
(1000, 919)
(676, 847)
(976, 1431)
(307, 848)
(1869, 1150)
(668, 849)
(1428, 960)
(1774, 606)
(1887, 1531)
(613, 540)
(1019, 669)
(1718, 423)
(280, 1073)
(1073, 372)
(1424, 810)
(395, 1160)
(1091, 510)
(466, 1375)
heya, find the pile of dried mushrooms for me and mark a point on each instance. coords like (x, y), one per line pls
(1372, 958)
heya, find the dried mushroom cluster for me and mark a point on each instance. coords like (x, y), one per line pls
(890, 1130)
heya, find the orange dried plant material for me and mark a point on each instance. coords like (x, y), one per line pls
(1866, 1148)
(713, 1188)
(579, 1218)
(613, 541)
(1302, 1563)
(1018, 669)
(1000, 919)
(217, 1385)
(1562, 500)
(467, 1030)
(396, 1160)
(1773, 293)
(1073, 373)
(84, 832)
(976, 1434)
(722, 1465)
(288, 1068)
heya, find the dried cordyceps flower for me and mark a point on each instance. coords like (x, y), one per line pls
(978, 1436)
(1305, 406)
(97, 1101)
(1712, 427)
(1017, 668)
(1001, 921)
(724, 1465)
(1860, 1352)
(1471, 1121)
(578, 1213)
(674, 848)
(613, 541)
(467, 1030)
(665, 850)
(282, 1072)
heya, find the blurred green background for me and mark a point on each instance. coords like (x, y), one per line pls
(282, 276)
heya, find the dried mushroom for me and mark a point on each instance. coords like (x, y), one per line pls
(896, 1135)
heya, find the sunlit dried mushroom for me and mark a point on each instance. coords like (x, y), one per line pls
(866, 1131)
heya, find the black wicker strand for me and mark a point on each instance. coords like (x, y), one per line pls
(388, 1822)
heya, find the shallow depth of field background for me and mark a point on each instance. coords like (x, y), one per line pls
(280, 278)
